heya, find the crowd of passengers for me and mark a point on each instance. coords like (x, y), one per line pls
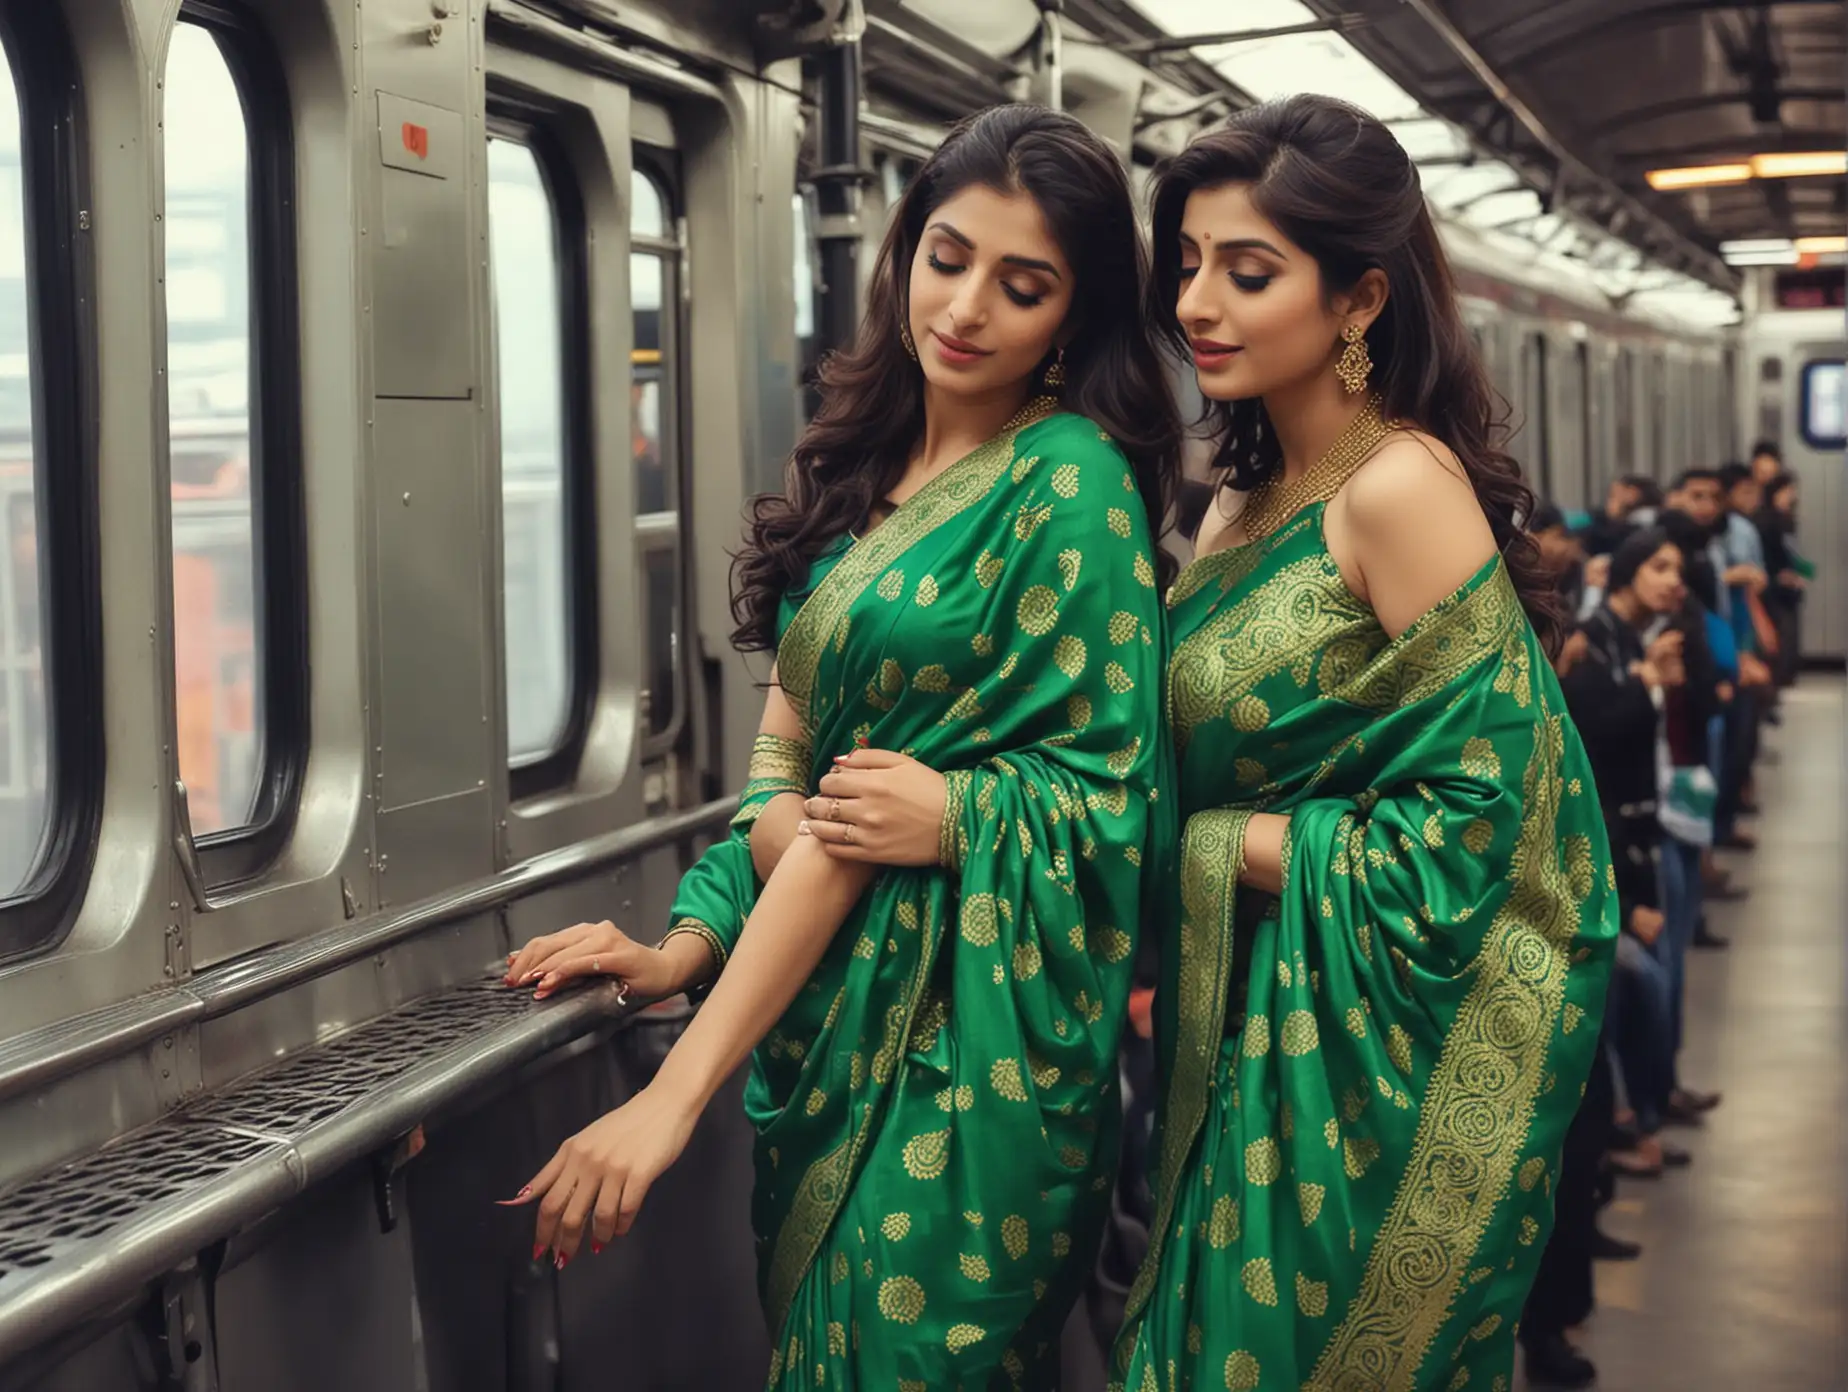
(1686, 606)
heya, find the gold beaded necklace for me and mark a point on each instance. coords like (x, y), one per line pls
(1271, 504)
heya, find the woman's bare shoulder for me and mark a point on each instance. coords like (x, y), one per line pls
(1407, 530)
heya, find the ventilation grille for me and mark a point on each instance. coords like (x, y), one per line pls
(286, 1100)
(256, 1119)
(87, 1198)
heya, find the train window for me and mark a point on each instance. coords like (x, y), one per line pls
(238, 624)
(1825, 405)
(654, 387)
(50, 612)
(24, 762)
(533, 288)
(218, 670)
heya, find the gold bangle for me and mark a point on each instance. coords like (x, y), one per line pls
(694, 928)
(949, 831)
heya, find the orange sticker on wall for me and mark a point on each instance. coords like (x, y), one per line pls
(417, 139)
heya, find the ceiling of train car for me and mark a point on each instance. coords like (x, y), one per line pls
(1184, 63)
(1610, 90)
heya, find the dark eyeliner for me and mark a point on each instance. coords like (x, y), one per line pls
(1250, 284)
(1021, 298)
(942, 267)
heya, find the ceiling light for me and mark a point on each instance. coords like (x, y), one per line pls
(1768, 251)
(1821, 246)
(1771, 166)
(1699, 176)
(1798, 165)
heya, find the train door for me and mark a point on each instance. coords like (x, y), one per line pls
(614, 719)
(1577, 424)
(1628, 457)
(1813, 451)
(1536, 435)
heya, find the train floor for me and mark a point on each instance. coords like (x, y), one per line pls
(1743, 1281)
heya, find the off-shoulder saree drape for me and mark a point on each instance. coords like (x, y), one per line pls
(1367, 1080)
(936, 1112)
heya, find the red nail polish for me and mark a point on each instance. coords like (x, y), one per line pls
(524, 1191)
(562, 1259)
(538, 1250)
(596, 1248)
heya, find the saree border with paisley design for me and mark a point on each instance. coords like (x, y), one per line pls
(1391, 1322)
(1212, 859)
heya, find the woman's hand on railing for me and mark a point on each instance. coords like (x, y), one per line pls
(881, 808)
(587, 950)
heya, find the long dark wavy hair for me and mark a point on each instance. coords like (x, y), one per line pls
(872, 395)
(1335, 182)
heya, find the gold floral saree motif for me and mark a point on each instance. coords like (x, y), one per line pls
(937, 1111)
(1355, 1176)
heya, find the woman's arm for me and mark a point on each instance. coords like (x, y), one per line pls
(802, 907)
(601, 1175)
(1264, 839)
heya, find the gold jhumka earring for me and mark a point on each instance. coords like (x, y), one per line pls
(1355, 365)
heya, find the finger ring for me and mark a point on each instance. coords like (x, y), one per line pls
(834, 809)
(593, 966)
(622, 992)
(847, 832)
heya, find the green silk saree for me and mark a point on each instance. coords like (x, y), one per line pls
(1366, 1080)
(936, 1113)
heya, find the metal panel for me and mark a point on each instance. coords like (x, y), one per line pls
(651, 123)
(431, 561)
(325, 1267)
(430, 845)
(420, 138)
(421, 269)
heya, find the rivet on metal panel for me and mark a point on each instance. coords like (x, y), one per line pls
(435, 35)
(407, 499)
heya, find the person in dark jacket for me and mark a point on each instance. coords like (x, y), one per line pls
(1783, 597)
(1618, 697)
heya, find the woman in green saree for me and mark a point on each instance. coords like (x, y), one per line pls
(961, 591)
(1394, 906)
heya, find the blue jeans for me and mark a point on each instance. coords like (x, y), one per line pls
(1681, 902)
(1640, 1024)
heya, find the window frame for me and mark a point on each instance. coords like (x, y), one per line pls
(1804, 377)
(523, 122)
(279, 543)
(61, 328)
(661, 168)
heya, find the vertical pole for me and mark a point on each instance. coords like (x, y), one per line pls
(1052, 51)
(837, 195)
